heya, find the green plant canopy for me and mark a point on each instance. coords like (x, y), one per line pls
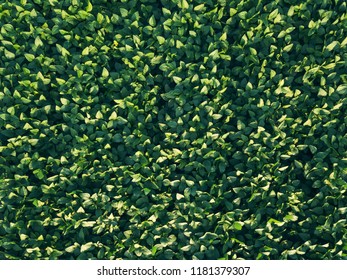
(173, 129)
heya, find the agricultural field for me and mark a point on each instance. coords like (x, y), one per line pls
(173, 129)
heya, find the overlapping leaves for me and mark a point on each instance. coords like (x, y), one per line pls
(173, 129)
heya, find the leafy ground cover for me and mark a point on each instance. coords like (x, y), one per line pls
(173, 129)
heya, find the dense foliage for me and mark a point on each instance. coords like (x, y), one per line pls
(173, 129)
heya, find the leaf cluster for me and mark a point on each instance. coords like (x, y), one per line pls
(173, 129)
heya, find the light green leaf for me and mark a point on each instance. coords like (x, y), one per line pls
(344, 42)
(113, 116)
(183, 4)
(200, 7)
(166, 12)
(240, 125)
(60, 81)
(232, 12)
(242, 15)
(290, 218)
(332, 46)
(86, 247)
(99, 115)
(156, 60)
(152, 22)
(176, 79)
(273, 14)
(123, 12)
(71, 248)
(89, 7)
(38, 172)
(161, 40)
(179, 44)
(62, 50)
(99, 18)
(105, 73)
(38, 42)
(9, 55)
(146, 191)
(64, 101)
(88, 224)
(136, 178)
(204, 90)
(238, 225)
(214, 55)
(186, 248)
(223, 37)
(322, 92)
(85, 51)
(288, 47)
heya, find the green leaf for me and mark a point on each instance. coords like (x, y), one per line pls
(200, 7)
(273, 14)
(322, 92)
(179, 44)
(176, 79)
(343, 43)
(291, 11)
(9, 55)
(88, 224)
(242, 15)
(204, 90)
(209, 236)
(332, 46)
(99, 115)
(232, 12)
(85, 51)
(152, 22)
(290, 218)
(105, 73)
(156, 60)
(186, 248)
(87, 246)
(39, 174)
(183, 4)
(341, 89)
(136, 178)
(161, 40)
(11, 110)
(313, 149)
(195, 78)
(38, 42)
(223, 37)
(113, 116)
(282, 34)
(238, 225)
(146, 191)
(64, 101)
(123, 12)
(166, 12)
(62, 50)
(288, 47)
(217, 116)
(99, 18)
(71, 248)
(214, 55)
(89, 7)
(240, 125)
